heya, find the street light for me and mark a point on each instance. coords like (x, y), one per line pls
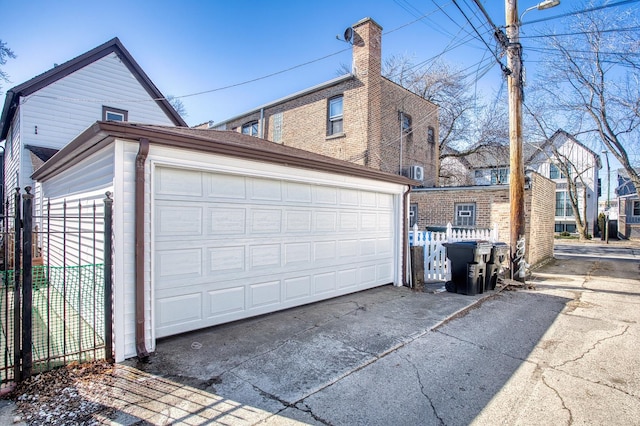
(608, 206)
(514, 84)
(546, 4)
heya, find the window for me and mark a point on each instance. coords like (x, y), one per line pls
(563, 205)
(405, 125)
(555, 172)
(431, 135)
(466, 214)
(250, 128)
(114, 114)
(565, 227)
(277, 127)
(499, 176)
(635, 208)
(334, 125)
(413, 214)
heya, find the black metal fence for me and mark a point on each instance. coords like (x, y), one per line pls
(55, 285)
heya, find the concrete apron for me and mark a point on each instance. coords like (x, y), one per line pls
(272, 362)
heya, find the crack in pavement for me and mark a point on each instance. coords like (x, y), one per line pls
(570, 422)
(309, 411)
(422, 390)
(593, 347)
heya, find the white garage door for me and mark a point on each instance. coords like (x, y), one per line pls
(227, 247)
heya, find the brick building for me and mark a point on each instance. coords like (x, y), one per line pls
(361, 117)
(484, 206)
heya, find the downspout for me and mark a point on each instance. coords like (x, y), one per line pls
(405, 235)
(143, 151)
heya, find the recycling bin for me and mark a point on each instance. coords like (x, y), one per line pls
(467, 266)
(499, 252)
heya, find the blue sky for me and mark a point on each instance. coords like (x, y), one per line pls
(189, 47)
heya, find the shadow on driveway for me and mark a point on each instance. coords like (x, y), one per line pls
(381, 356)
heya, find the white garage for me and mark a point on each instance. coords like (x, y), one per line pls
(228, 226)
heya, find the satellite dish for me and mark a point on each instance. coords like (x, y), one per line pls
(348, 35)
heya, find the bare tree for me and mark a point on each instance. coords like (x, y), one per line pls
(5, 53)
(177, 104)
(468, 125)
(591, 76)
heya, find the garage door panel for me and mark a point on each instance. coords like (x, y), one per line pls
(349, 197)
(347, 278)
(175, 221)
(226, 221)
(325, 195)
(297, 253)
(297, 193)
(324, 283)
(179, 310)
(226, 186)
(247, 246)
(265, 189)
(264, 294)
(297, 288)
(178, 182)
(227, 259)
(264, 256)
(298, 221)
(184, 263)
(226, 301)
(265, 221)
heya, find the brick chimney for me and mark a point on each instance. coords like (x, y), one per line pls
(367, 67)
(367, 48)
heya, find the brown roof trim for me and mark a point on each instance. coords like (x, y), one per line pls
(112, 46)
(208, 141)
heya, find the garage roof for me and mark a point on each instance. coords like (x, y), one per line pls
(203, 140)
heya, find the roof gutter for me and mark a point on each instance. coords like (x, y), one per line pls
(143, 151)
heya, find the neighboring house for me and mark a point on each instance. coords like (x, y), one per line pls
(490, 166)
(454, 168)
(628, 207)
(361, 117)
(227, 226)
(42, 115)
(585, 163)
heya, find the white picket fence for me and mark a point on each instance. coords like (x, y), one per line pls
(436, 265)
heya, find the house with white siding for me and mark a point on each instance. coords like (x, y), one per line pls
(490, 166)
(42, 115)
(583, 165)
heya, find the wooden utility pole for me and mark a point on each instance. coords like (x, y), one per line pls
(516, 163)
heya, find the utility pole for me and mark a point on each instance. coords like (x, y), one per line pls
(515, 86)
(516, 162)
(608, 206)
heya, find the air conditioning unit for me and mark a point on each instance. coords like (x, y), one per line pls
(416, 173)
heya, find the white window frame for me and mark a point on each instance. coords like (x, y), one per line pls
(335, 120)
(465, 214)
(110, 114)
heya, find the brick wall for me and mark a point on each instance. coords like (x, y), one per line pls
(436, 207)
(371, 105)
(540, 205)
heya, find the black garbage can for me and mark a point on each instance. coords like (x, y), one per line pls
(467, 266)
(499, 252)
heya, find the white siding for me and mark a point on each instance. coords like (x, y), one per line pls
(67, 107)
(12, 157)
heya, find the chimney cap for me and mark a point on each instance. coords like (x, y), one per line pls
(366, 20)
